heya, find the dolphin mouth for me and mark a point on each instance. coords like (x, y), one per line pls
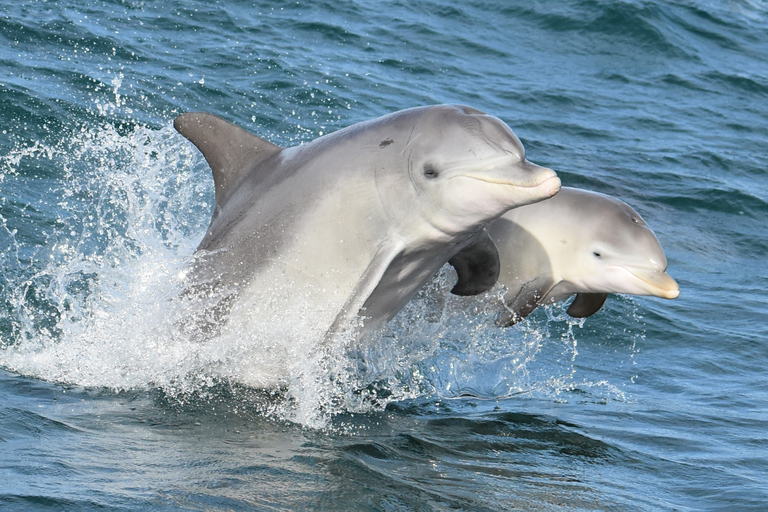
(495, 171)
(656, 282)
(553, 180)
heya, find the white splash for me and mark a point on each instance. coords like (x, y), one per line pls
(95, 301)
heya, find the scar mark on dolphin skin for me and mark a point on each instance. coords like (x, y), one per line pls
(386, 143)
(411, 138)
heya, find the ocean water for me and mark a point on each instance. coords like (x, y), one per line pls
(648, 405)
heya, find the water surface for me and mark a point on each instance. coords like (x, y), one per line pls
(647, 405)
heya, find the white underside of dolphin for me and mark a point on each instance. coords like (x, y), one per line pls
(345, 229)
(576, 243)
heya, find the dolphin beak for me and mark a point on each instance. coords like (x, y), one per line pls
(544, 180)
(656, 283)
(508, 170)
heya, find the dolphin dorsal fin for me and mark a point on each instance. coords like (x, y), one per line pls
(230, 150)
(477, 267)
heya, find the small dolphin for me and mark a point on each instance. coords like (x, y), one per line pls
(354, 222)
(577, 242)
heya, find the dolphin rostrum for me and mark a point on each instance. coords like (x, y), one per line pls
(354, 222)
(577, 242)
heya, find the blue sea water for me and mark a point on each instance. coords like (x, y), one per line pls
(647, 405)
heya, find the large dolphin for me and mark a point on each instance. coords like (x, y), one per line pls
(577, 242)
(354, 222)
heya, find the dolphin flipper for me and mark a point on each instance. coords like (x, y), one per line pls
(477, 266)
(527, 299)
(356, 305)
(586, 304)
(230, 150)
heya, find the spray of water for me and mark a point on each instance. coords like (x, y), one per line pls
(93, 280)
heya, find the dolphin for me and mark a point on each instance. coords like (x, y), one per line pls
(353, 223)
(577, 242)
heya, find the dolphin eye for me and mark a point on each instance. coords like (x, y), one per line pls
(597, 254)
(430, 171)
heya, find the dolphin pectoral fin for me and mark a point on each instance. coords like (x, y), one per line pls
(525, 302)
(230, 150)
(510, 317)
(477, 266)
(586, 304)
(357, 302)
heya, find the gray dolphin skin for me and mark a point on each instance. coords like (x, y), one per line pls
(354, 222)
(577, 242)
